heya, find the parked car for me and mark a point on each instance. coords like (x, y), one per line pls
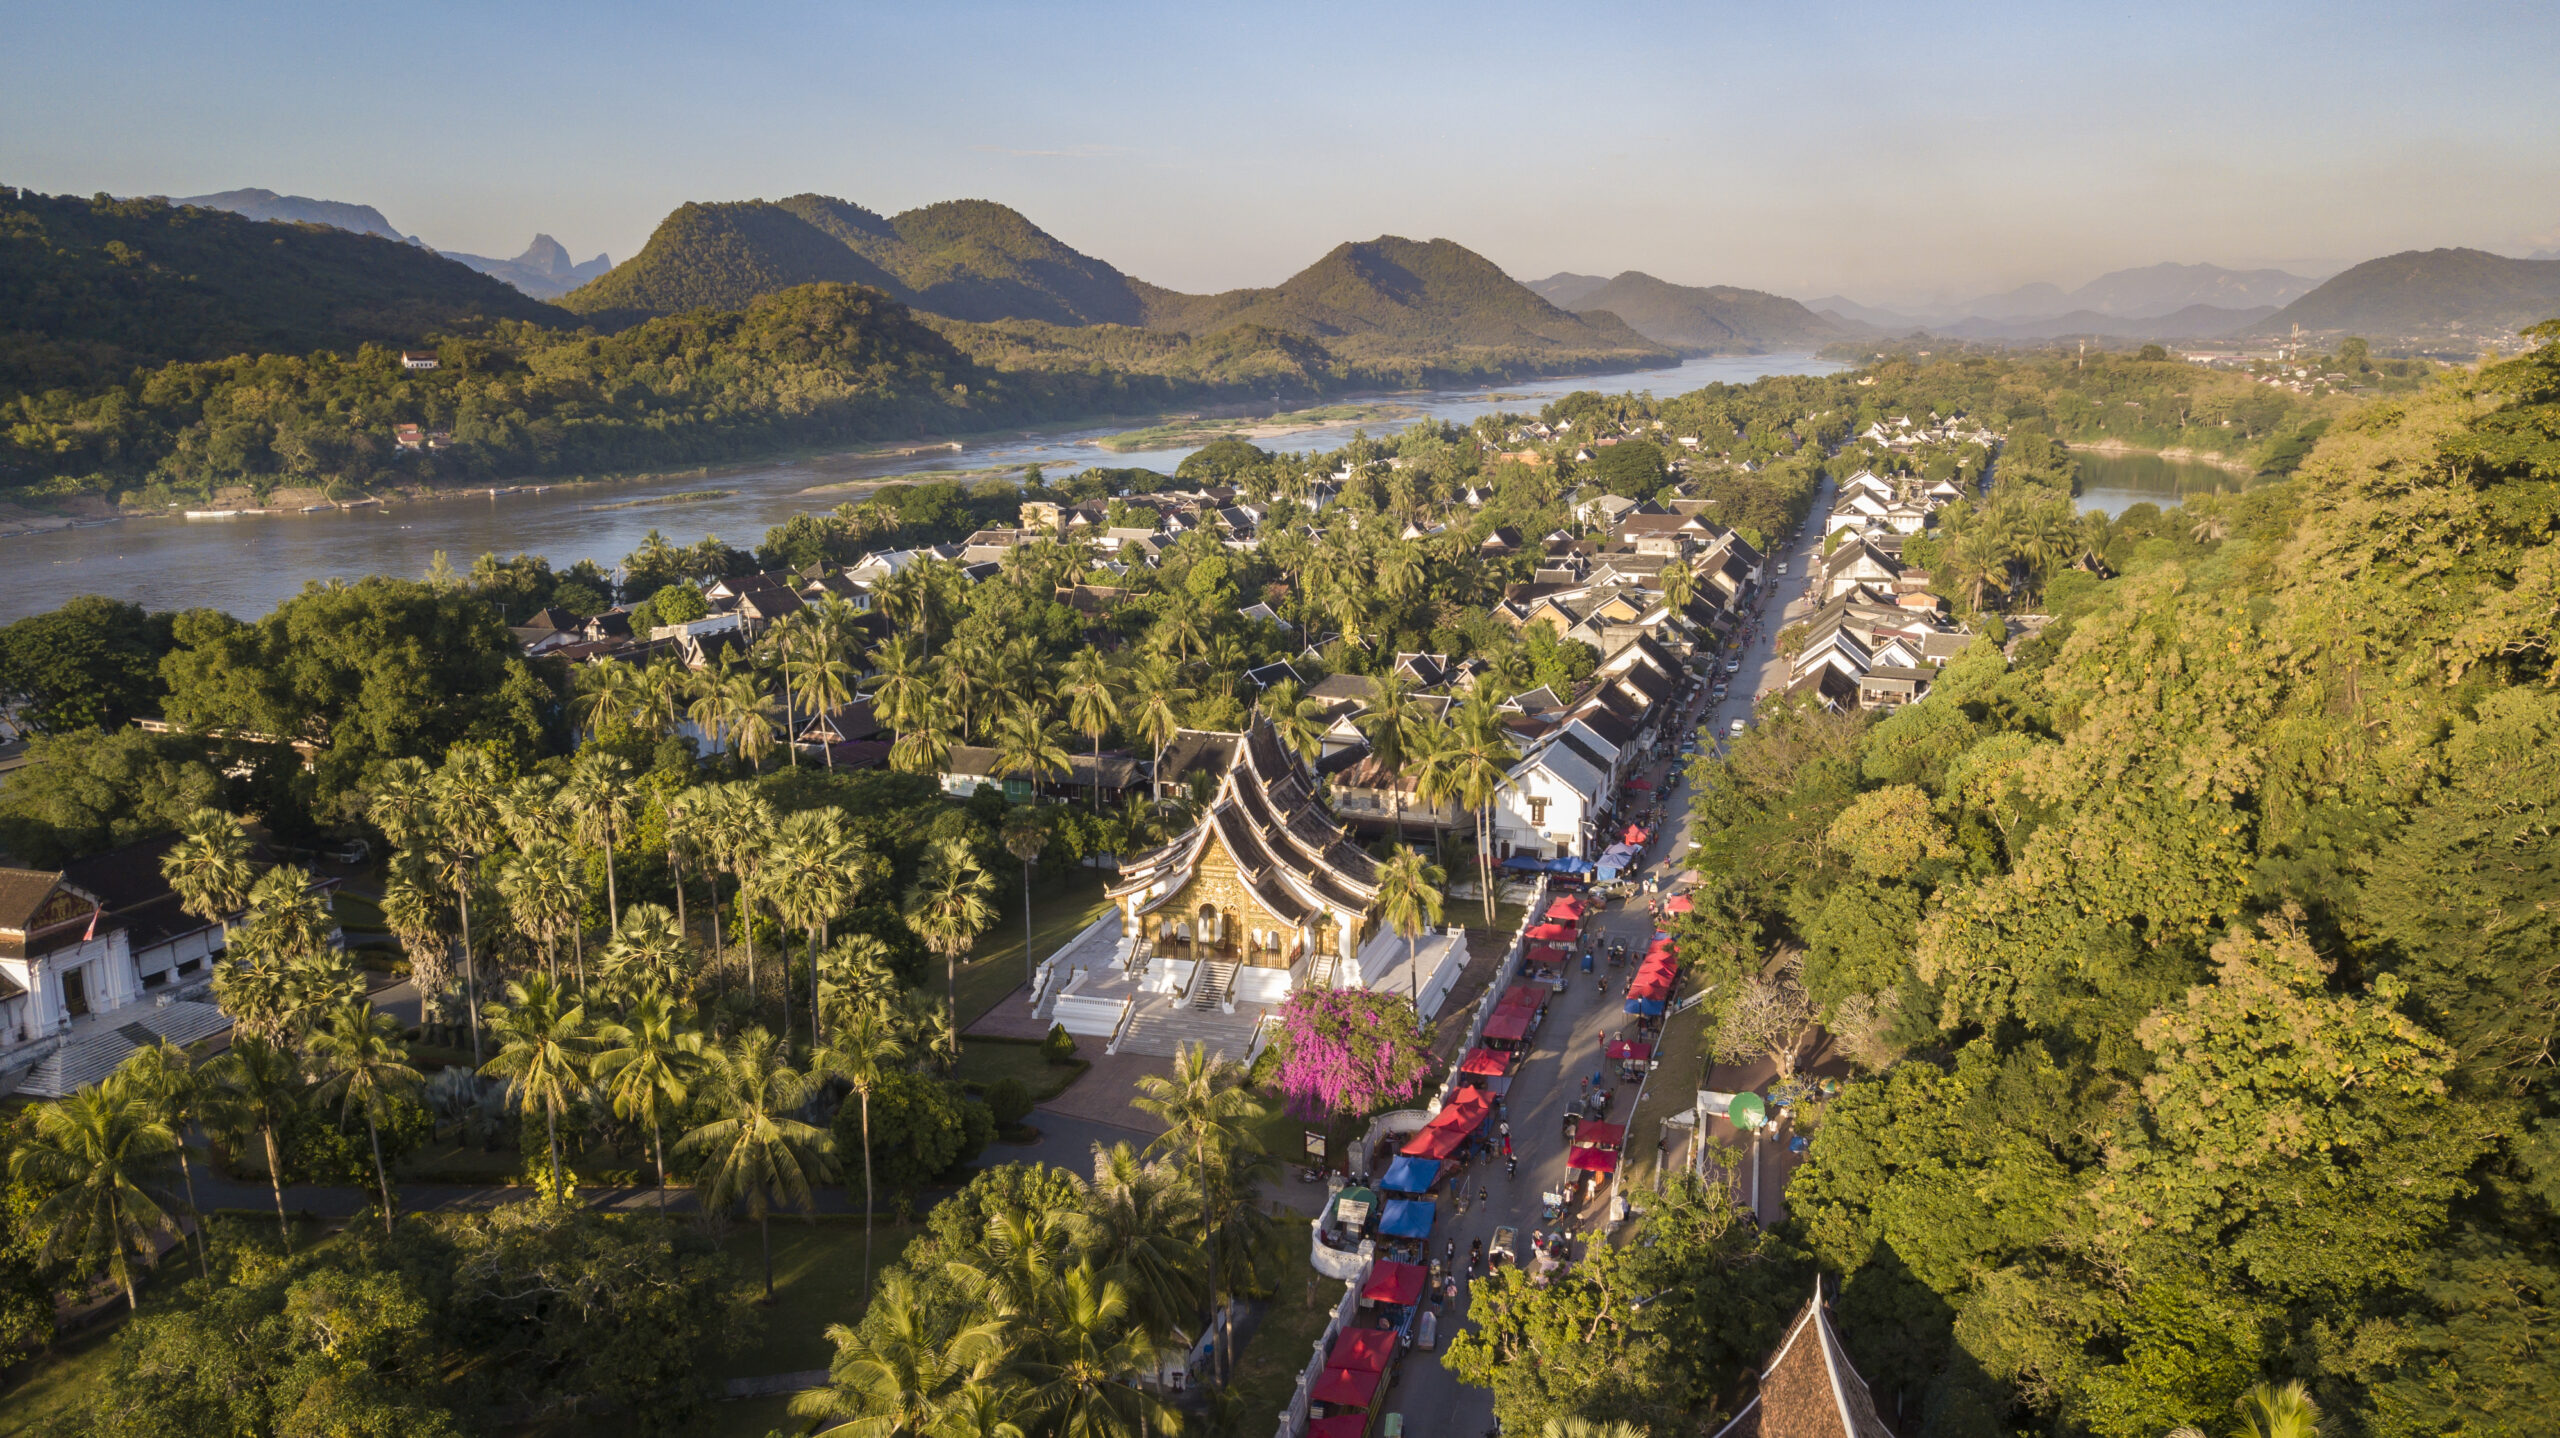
(354, 851)
(1735, 728)
(1782, 567)
(1733, 666)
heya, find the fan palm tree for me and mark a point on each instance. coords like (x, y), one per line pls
(529, 810)
(161, 1076)
(94, 1156)
(607, 694)
(1156, 696)
(416, 920)
(1025, 836)
(1591, 1428)
(647, 1064)
(737, 833)
(209, 867)
(905, 1370)
(2272, 1411)
(598, 800)
(1208, 1115)
(755, 1155)
(816, 871)
(543, 897)
(362, 1064)
(650, 955)
(1409, 898)
(948, 908)
(544, 1043)
(465, 796)
(866, 1046)
(254, 1088)
(1092, 691)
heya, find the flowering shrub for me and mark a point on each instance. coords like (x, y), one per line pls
(1349, 1051)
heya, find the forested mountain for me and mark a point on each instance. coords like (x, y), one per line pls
(722, 257)
(1711, 319)
(543, 271)
(2424, 293)
(1392, 295)
(1564, 288)
(2194, 322)
(90, 288)
(2165, 288)
(297, 210)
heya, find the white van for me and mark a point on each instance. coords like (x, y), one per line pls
(1782, 568)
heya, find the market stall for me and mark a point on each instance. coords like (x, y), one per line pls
(1407, 1218)
(1411, 1175)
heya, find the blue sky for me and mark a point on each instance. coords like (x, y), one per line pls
(1892, 152)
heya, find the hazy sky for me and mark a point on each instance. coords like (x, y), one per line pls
(1892, 152)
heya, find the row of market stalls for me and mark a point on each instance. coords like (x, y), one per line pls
(1649, 991)
(1551, 941)
(1625, 855)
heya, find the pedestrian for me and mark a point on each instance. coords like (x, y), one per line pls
(1506, 1143)
(1586, 1088)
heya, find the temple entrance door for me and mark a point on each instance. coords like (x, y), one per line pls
(75, 991)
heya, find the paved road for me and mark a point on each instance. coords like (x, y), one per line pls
(1789, 597)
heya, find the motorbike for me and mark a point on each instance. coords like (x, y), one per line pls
(1511, 1167)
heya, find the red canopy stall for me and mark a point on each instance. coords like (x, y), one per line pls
(1508, 1025)
(1554, 933)
(1393, 1282)
(1592, 1160)
(1485, 1062)
(1366, 1349)
(1347, 1387)
(1630, 1051)
(1592, 1133)
(1340, 1425)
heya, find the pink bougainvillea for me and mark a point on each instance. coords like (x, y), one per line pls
(1349, 1051)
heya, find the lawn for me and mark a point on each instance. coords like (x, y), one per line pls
(359, 914)
(817, 1280)
(1266, 1371)
(986, 1061)
(1059, 912)
(1673, 1087)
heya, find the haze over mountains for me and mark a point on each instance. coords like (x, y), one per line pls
(1694, 319)
(543, 271)
(2163, 301)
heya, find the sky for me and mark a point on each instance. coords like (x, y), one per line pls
(1900, 154)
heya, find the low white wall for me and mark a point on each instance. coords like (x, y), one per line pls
(1168, 975)
(1261, 986)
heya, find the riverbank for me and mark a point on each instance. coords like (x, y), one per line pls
(1206, 426)
(2176, 453)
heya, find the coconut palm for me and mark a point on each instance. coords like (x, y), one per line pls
(1092, 691)
(814, 670)
(815, 872)
(1471, 766)
(1136, 1217)
(607, 694)
(598, 800)
(1156, 696)
(1031, 744)
(162, 1076)
(1679, 585)
(95, 1157)
(755, 1155)
(209, 868)
(924, 747)
(254, 1088)
(866, 1046)
(1295, 718)
(1394, 723)
(544, 1043)
(2272, 1411)
(1090, 1343)
(1409, 899)
(1208, 1115)
(667, 688)
(961, 680)
(903, 694)
(737, 833)
(647, 1064)
(904, 1371)
(948, 908)
(362, 1064)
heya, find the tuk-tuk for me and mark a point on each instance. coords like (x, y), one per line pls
(1506, 1244)
(1426, 1330)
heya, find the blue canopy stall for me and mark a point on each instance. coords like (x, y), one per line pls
(1411, 1175)
(1645, 1008)
(1407, 1218)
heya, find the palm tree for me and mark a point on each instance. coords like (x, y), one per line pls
(2278, 1412)
(361, 1063)
(1091, 689)
(209, 868)
(1472, 766)
(1136, 1215)
(647, 1065)
(948, 908)
(606, 694)
(254, 1088)
(738, 833)
(814, 671)
(755, 1155)
(1156, 694)
(902, 696)
(542, 894)
(1393, 725)
(1295, 718)
(865, 1047)
(924, 747)
(598, 799)
(529, 809)
(981, 1410)
(1207, 1113)
(465, 794)
(1679, 585)
(543, 1047)
(161, 1075)
(814, 874)
(1590, 1428)
(663, 696)
(1409, 898)
(410, 910)
(904, 1370)
(92, 1155)
(962, 679)
(1024, 837)
(1031, 744)
(649, 957)
(1092, 1344)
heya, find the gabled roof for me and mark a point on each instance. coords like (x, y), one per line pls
(1298, 859)
(1809, 1388)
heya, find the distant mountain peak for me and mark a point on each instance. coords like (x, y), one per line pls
(1699, 319)
(297, 209)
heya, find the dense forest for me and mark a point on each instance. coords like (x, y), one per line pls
(90, 287)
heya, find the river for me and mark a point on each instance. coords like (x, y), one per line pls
(248, 565)
(2115, 483)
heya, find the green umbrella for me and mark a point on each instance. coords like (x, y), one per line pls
(1747, 1111)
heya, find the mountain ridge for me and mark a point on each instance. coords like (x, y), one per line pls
(2426, 293)
(1696, 319)
(543, 271)
(259, 204)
